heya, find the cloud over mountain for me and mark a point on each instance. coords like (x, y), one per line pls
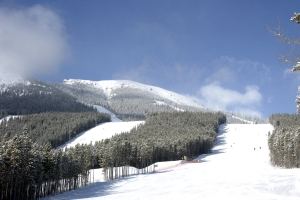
(32, 41)
(215, 96)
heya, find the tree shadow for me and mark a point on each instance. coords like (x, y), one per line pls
(218, 144)
(93, 190)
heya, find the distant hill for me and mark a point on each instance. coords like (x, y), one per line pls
(27, 97)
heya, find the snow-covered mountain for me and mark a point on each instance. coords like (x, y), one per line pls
(129, 99)
(111, 87)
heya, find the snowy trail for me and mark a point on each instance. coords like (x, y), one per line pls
(102, 131)
(101, 109)
(233, 171)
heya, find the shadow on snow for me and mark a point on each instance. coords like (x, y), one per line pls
(219, 142)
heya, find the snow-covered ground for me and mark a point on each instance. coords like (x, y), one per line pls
(238, 168)
(97, 175)
(102, 131)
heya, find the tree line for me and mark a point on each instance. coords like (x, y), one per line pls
(30, 171)
(284, 142)
(54, 128)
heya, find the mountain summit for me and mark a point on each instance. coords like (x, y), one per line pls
(128, 98)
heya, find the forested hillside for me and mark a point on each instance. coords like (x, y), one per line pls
(39, 171)
(30, 97)
(84, 94)
(163, 137)
(284, 142)
(54, 128)
(44, 117)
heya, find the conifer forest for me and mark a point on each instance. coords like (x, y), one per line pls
(284, 142)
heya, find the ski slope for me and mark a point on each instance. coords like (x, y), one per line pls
(101, 132)
(113, 117)
(238, 168)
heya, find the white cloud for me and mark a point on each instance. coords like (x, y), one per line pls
(248, 112)
(183, 76)
(222, 74)
(216, 97)
(229, 72)
(32, 41)
(138, 73)
(229, 69)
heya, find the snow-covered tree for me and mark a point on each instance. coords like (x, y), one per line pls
(292, 59)
(296, 66)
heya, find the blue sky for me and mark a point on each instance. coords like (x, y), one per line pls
(218, 51)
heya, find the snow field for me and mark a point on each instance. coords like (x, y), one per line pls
(234, 170)
(101, 132)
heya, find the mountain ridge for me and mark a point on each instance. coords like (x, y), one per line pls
(129, 100)
(109, 86)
